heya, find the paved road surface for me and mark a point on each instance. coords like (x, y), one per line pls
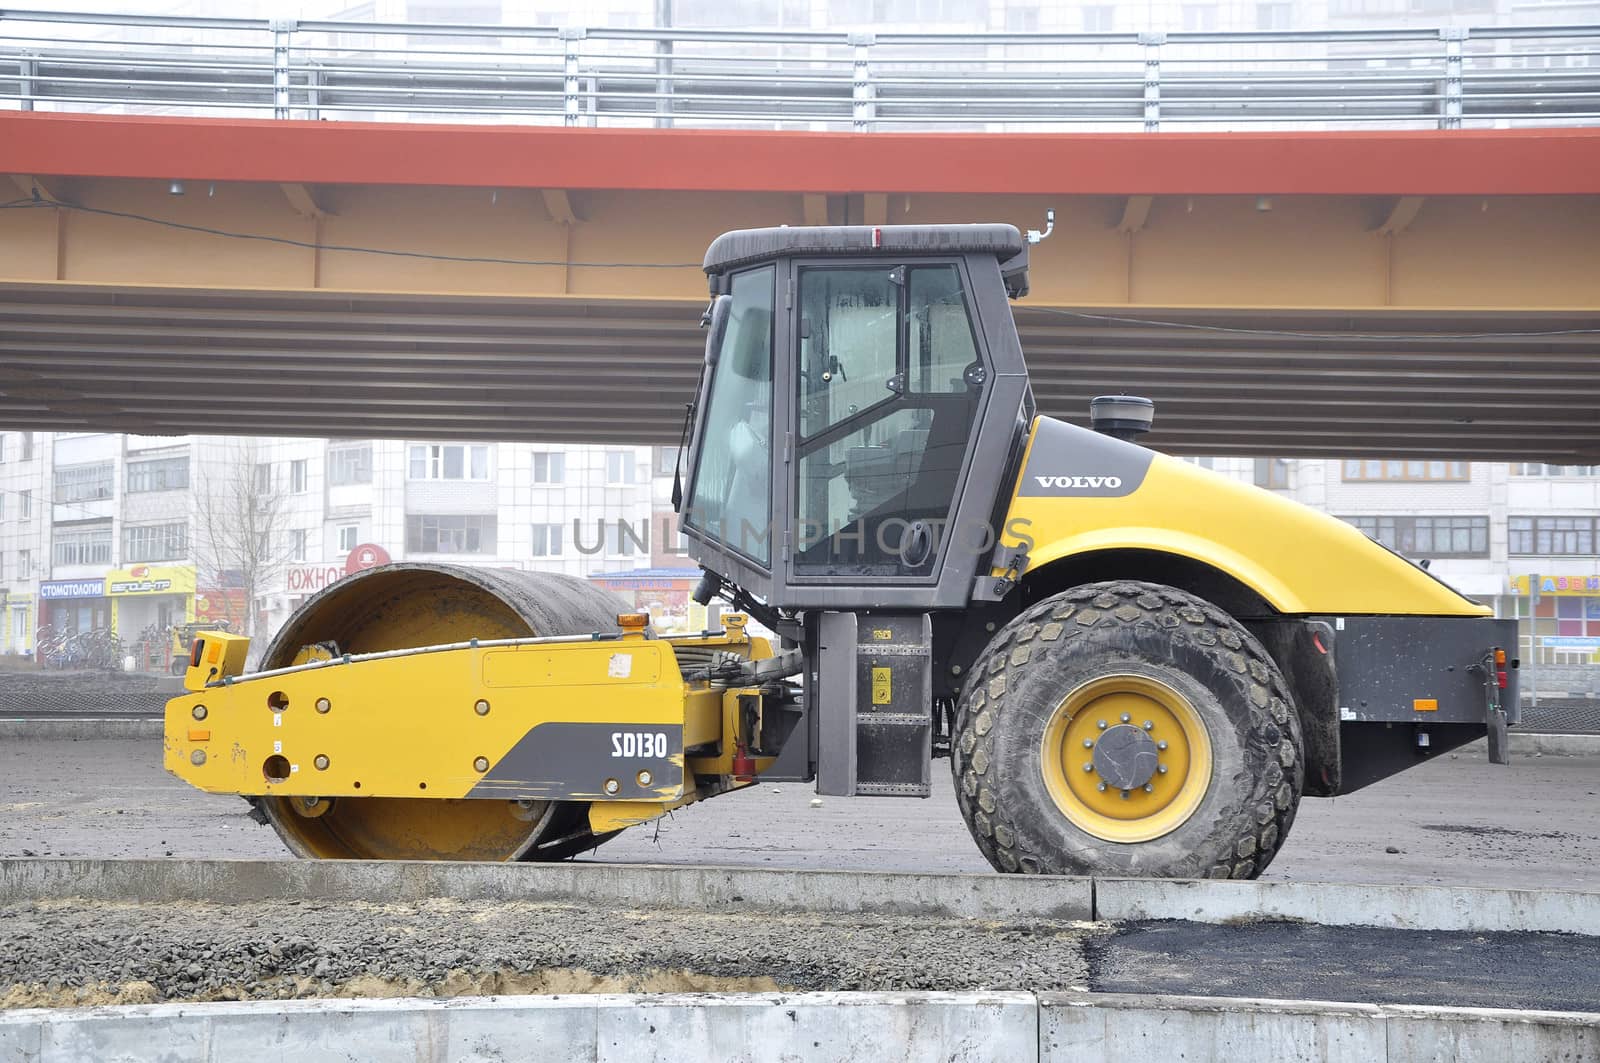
(1458, 820)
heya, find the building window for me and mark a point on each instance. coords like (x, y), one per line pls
(1022, 20)
(297, 544)
(1428, 537)
(297, 476)
(1099, 18)
(2, 446)
(1534, 468)
(619, 467)
(449, 462)
(27, 446)
(77, 545)
(666, 461)
(24, 564)
(263, 477)
(1271, 472)
(83, 483)
(1199, 18)
(1559, 536)
(349, 465)
(160, 474)
(154, 542)
(25, 505)
(430, 534)
(1274, 16)
(549, 467)
(349, 537)
(547, 540)
(1372, 469)
(621, 540)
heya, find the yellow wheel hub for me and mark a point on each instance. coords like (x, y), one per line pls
(1126, 758)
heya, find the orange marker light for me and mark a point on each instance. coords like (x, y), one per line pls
(1500, 658)
(633, 621)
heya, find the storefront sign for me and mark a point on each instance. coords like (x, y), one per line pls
(150, 579)
(72, 588)
(216, 605)
(305, 579)
(367, 555)
(308, 579)
(1577, 586)
(1571, 642)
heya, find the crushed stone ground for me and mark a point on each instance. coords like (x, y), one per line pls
(77, 953)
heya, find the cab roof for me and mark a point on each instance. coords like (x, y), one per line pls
(746, 246)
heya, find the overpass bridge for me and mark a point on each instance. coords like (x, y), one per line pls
(1365, 291)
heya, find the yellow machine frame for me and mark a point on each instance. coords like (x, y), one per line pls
(326, 728)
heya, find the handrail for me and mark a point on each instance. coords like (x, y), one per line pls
(1449, 77)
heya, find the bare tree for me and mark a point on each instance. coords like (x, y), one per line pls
(241, 538)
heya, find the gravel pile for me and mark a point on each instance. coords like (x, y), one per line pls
(63, 953)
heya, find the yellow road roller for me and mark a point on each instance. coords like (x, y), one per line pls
(1135, 666)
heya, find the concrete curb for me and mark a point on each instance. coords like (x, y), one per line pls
(975, 896)
(1338, 904)
(1003, 1027)
(1529, 743)
(75, 727)
(1076, 1027)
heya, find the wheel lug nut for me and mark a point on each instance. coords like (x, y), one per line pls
(1161, 745)
(1088, 767)
(1102, 787)
(1124, 795)
(1149, 725)
(1101, 724)
(1126, 717)
(1088, 743)
(1149, 789)
(1162, 768)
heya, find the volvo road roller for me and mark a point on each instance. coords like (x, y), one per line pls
(1135, 666)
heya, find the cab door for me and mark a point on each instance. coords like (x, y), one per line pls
(889, 384)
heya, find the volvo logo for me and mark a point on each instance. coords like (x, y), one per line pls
(1080, 482)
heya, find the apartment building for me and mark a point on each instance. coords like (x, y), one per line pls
(136, 535)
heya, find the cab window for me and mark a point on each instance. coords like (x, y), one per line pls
(888, 393)
(731, 497)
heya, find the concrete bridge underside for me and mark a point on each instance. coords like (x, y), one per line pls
(1275, 294)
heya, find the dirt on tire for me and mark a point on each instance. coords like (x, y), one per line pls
(1085, 631)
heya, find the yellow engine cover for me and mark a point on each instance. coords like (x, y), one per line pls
(1081, 491)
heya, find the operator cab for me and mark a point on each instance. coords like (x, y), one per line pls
(862, 391)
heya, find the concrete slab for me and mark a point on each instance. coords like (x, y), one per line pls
(1089, 1028)
(978, 1027)
(74, 727)
(976, 896)
(973, 1027)
(1341, 904)
(1086, 1028)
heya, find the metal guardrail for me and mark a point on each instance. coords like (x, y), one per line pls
(1410, 78)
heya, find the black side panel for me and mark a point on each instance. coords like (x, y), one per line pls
(1374, 751)
(1417, 669)
(1412, 687)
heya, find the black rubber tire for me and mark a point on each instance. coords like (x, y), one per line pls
(1146, 629)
